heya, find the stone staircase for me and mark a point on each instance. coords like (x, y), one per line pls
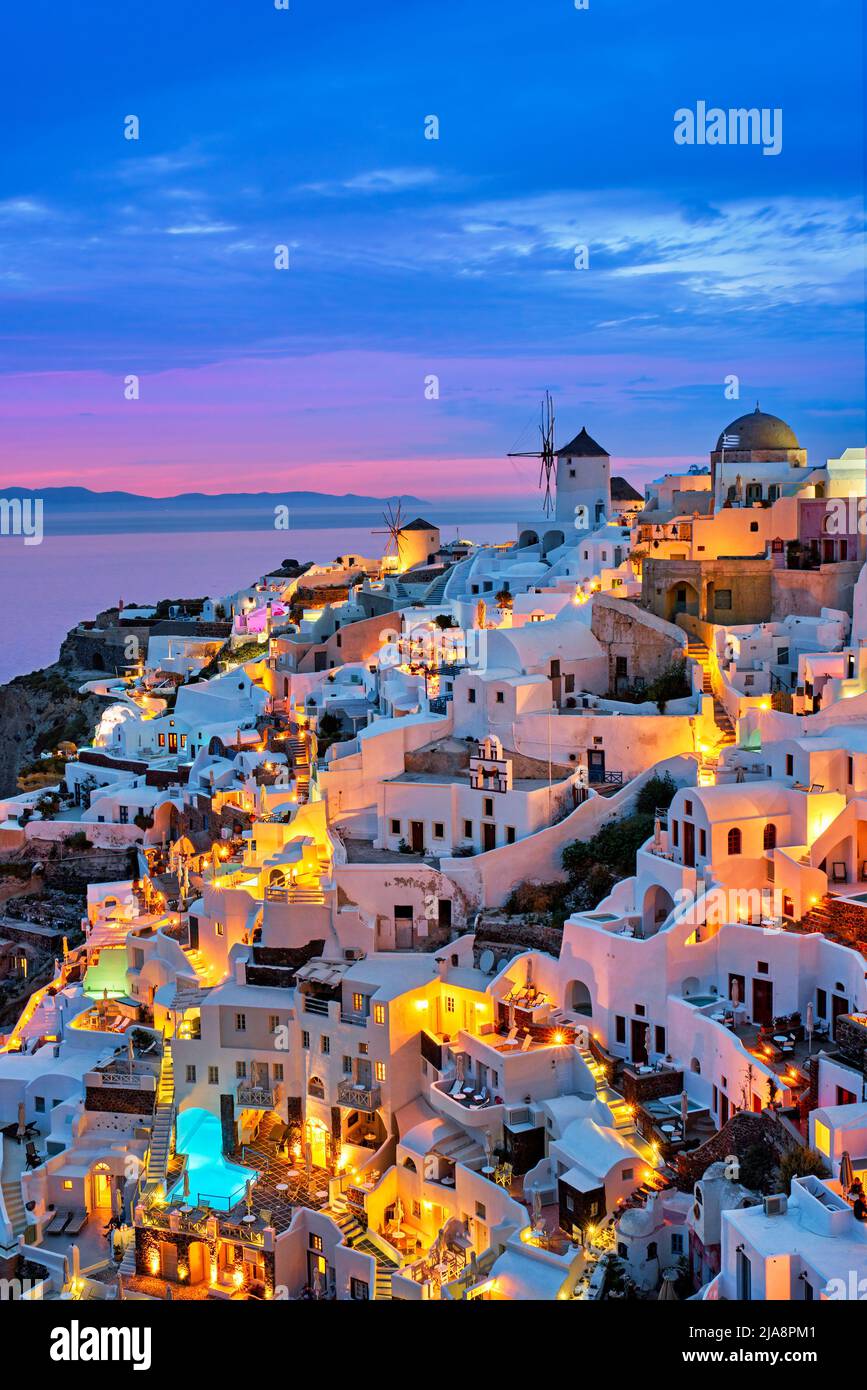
(299, 749)
(159, 1149)
(613, 1099)
(697, 650)
(14, 1204)
(355, 1236)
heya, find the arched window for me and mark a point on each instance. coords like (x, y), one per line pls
(316, 1088)
(770, 836)
(734, 841)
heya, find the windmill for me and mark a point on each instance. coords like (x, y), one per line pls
(545, 453)
(393, 527)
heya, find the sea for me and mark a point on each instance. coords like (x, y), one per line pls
(47, 589)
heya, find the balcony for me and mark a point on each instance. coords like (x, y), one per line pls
(251, 1097)
(354, 1016)
(354, 1097)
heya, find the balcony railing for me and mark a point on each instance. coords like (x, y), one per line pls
(353, 1016)
(353, 1097)
(315, 1006)
(251, 1097)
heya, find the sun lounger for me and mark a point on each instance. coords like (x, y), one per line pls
(57, 1223)
(457, 1089)
(76, 1224)
(528, 1040)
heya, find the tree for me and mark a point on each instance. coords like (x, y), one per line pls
(481, 613)
(444, 621)
(505, 599)
(757, 1166)
(656, 794)
(800, 1162)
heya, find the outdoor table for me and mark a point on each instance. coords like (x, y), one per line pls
(488, 1168)
(282, 1187)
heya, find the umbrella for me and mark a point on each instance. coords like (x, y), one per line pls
(537, 1205)
(735, 994)
(130, 1051)
(684, 1110)
(657, 833)
(118, 1201)
(847, 1173)
(667, 1293)
(398, 1215)
(647, 1036)
(810, 1025)
(248, 1196)
(186, 1187)
(22, 1122)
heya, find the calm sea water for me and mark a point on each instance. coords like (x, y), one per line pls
(46, 589)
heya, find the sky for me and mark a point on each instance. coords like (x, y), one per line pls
(413, 258)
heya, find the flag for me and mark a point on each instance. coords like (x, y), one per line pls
(730, 440)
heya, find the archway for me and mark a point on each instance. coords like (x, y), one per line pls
(691, 985)
(553, 540)
(527, 538)
(579, 999)
(681, 597)
(658, 903)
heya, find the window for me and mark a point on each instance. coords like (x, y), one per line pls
(723, 598)
(481, 1211)
(769, 838)
(675, 833)
(416, 1209)
(659, 1039)
(358, 1289)
(213, 1076)
(277, 1071)
(346, 1064)
(620, 1029)
(471, 695)
(379, 1013)
(379, 1071)
(39, 1104)
(500, 697)
(468, 830)
(651, 1250)
(761, 967)
(676, 1243)
(790, 764)
(363, 1049)
(489, 805)
(273, 1023)
(439, 830)
(687, 808)
(240, 1023)
(305, 1040)
(325, 1044)
(358, 1003)
(395, 827)
(315, 1242)
(850, 770)
(734, 841)
(754, 526)
(316, 1087)
(191, 1075)
(124, 815)
(702, 842)
(510, 834)
(240, 1071)
(450, 1003)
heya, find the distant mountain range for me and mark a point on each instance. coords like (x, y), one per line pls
(79, 511)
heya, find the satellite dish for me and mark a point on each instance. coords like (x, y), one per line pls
(486, 962)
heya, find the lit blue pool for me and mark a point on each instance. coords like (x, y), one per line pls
(213, 1180)
(698, 1001)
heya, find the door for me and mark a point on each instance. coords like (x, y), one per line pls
(689, 844)
(763, 1001)
(745, 1277)
(403, 923)
(173, 743)
(489, 835)
(416, 833)
(839, 1006)
(168, 1260)
(595, 765)
(101, 1189)
(639, 1040)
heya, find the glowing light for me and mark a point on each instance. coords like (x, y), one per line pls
(238, 1278)
(154, 1262)
(559, 1037)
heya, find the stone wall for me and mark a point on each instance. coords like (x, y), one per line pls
(740, 1133)
(649, 645)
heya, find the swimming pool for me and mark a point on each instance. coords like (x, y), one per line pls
(213, 1179)
(699, 1001)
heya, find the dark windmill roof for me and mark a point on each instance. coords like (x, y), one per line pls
(582, 447)
(419, 525)
(623, 491)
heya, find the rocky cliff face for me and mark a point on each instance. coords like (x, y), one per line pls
(37, 712)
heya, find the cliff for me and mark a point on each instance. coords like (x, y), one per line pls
(38, 711)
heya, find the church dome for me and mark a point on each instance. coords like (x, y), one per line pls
(759, 431)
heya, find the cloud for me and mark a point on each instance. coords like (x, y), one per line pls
(398, 180)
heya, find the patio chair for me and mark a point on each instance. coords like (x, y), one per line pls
(457, 1088)
(510, 1038)
(838, 871)
(76, 1224)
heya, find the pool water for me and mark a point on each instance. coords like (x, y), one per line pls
(213, 1179)
(699, 1001)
